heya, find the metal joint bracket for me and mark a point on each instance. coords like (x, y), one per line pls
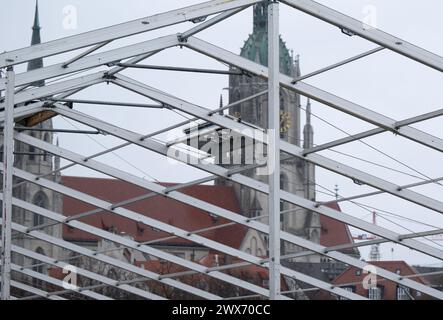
(347, 32)
(109, 77)
(198, 20)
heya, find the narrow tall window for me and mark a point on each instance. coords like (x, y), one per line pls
(375, 293)
(41, 200)
(38, 267)
(403, 293)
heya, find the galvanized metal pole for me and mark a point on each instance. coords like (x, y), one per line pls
(274, 150)
(8, 162)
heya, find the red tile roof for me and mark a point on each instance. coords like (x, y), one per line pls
(255, 274)
(334, 232)
(172, 212)
(354, 277)
(157, 207)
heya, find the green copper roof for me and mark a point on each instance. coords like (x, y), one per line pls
(256, 47)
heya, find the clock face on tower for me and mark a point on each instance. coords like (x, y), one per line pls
(285, 122)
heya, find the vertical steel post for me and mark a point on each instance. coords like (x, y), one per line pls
(8, 163)
(274, 150)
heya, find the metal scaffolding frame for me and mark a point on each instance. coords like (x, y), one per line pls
(20, 100)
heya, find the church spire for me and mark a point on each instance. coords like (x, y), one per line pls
(36, 39)
(221, 104)
(260, 17)
(308, 112)
(308, 142)
(308, 130)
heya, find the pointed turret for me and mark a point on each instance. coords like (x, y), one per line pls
(260, 17)
(308, 142)
(308, 131)
(36, 39)
(221, 104)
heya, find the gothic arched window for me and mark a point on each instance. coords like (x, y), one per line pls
(41, 200)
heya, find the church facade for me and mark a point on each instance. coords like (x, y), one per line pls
(297, 176)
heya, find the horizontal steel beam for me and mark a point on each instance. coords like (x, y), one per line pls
(183, 69)
(253, 184)
(367, 32)
(291, 149)
(85, 53)
(374, 193)
(33, 290)
(159, 148)
(58, 87)
(144, 220)
(209, 23)
(96, 60)
(109, 103)
(56, 282)
(372, 132)
(86, 273)
(317, 94)
(24, 111)
(121, 30)
(109, 260)
(338, 64)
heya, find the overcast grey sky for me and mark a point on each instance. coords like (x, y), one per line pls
(385, 82)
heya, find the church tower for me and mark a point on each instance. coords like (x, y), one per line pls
(37, 162)
(297, 176)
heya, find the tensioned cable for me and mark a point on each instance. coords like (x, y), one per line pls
(114, 153)
(362, 206)
(374, 148)
(376, 164)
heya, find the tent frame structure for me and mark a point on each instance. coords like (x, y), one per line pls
(20, 99)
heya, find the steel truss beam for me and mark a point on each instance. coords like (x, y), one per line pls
(103, 36)
(96, 60)
(317, 94)
(145, 220)
(291, 149)
(152, 222)
(89, 274)
(110, 103)
(20, 112)
(37, 106)
(112, 261)
(38, 292)
(59, 87)
(231, 215)
(372, 132)
(157, 224)
(122, 30)
(285, 146)
(367, 32)
(56, 282)
(338, 64)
